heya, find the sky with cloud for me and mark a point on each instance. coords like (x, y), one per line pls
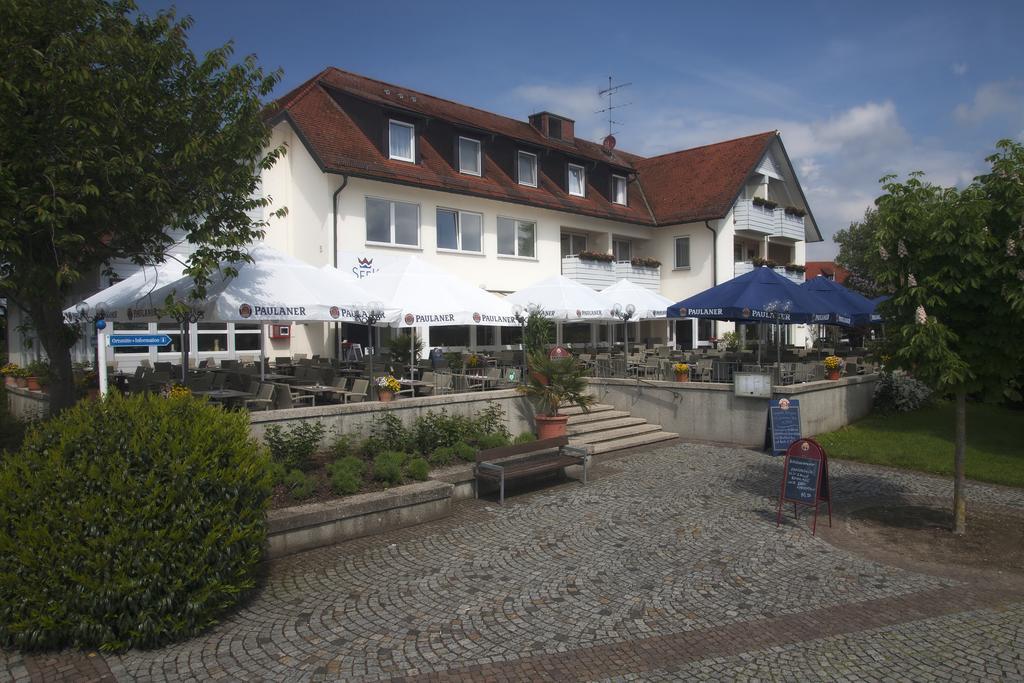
(857, 89)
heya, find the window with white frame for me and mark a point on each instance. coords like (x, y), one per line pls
(622, 250)
(469, 156)
(389, 222)
(573, 244)
(516, 237)
(577, 180)
(527, 165)
(401, 141)
(682, 258)
(619, 189)
(460, 230)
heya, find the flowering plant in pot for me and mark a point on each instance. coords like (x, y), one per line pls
(682, 371)
(832, 364)
(14, 374)
(555, 383)
(387, 387)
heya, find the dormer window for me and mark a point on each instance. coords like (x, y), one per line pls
(526, 164)
(469, 156)
(577, 180)
(554, 128)
(619, 190)
(401, 141)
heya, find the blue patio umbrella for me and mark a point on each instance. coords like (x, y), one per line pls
(760, 296)
(875, 316)
(845, 307)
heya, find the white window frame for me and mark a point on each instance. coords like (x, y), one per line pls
(626, 241)
(479, 157)
(391, 207)
(583, 177)
(412, 140)
(536, 168)
(625, 190)
(515, 237)
(675, 253)
(573, 234)
(458, 230)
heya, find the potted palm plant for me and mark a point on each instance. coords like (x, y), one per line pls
(555, 383)
(536, 336)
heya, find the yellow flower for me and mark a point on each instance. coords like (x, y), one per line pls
(388, 383)
(832, 362)
(681, 368)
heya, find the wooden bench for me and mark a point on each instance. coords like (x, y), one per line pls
(501, 464)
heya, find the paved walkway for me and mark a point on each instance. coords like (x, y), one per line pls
(667, 566)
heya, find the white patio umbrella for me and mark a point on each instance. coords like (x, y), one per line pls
(560, 298)
(119, 302)
(273, 287)
(630, 301)
(426, 296)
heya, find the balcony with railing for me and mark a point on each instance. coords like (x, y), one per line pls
(598, 274)
(774, 221)
(743, 267)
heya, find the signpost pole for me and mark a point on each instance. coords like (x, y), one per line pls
(101, 357)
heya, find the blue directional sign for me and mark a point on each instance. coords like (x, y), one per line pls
(139, 340)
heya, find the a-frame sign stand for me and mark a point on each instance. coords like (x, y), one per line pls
(805, 480)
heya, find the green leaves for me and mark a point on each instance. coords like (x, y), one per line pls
(129, 523)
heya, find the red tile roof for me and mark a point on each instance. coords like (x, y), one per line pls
(691, 185)
(828, 269)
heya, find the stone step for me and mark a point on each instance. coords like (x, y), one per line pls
(604, 425)
(576, 410)
(612, 434)
(584, 418)
(649, 438)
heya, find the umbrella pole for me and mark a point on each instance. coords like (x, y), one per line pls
(263, 355)
(184, 350)
(412, 351)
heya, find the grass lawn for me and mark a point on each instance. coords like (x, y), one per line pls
(923, 440)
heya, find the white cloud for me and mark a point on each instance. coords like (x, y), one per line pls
(1000, 99)
(959, 69)
(578, 103)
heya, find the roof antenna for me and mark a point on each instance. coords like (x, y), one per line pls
(609, 142)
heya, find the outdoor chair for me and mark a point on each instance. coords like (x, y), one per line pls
(201, 382)
(264, 399)
(229, 364)
(358, 393)
(163, 366)
(702, 373)
(284, 399)
(145, 363)
(282, 360)
(219, 379)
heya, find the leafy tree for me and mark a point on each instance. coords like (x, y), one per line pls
(115, 136)
(954, 260)
(858, 253)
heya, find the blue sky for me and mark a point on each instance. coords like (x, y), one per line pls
(858, 89)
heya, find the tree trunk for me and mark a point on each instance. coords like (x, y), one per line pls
(48, 320)
(959, 454)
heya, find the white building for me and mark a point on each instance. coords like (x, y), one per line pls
(376, 171)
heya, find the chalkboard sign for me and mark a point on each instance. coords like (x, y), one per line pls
(805, 479)
(802, 477)
(783, 424)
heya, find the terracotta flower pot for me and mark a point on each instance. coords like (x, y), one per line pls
(682, 377)
(22, 382)
(385, 396)
(33, 384)
(833, 374)
(10, 381)
(540, 378)
(551, 426)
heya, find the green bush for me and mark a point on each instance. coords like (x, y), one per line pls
(343, 446)
(442, 456)
(494, 440)
(277, 471)
(346, 474)
(491, 420)
(526, 437)
(438, 430)
(418, 469)
(387, 433)
(129, 522)
(294, 446)
(463, 451)
(300, 485)
(898, 392)
(387, 467)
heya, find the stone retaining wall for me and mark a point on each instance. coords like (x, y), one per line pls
(303, 527)
(356, 418)
(711, 412)
(27, 405)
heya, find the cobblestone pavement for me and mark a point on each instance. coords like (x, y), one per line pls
(666, 566)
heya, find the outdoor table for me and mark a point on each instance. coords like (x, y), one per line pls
(295, 382)
(413, 384)
(316, 390)
(274, 377)
(224, 395)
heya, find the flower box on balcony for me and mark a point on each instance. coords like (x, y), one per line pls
(593, 274)
(648, 277)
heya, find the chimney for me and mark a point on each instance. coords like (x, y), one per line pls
(553, 126)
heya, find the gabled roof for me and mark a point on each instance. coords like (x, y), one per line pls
(686, 186)
(700, 183)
